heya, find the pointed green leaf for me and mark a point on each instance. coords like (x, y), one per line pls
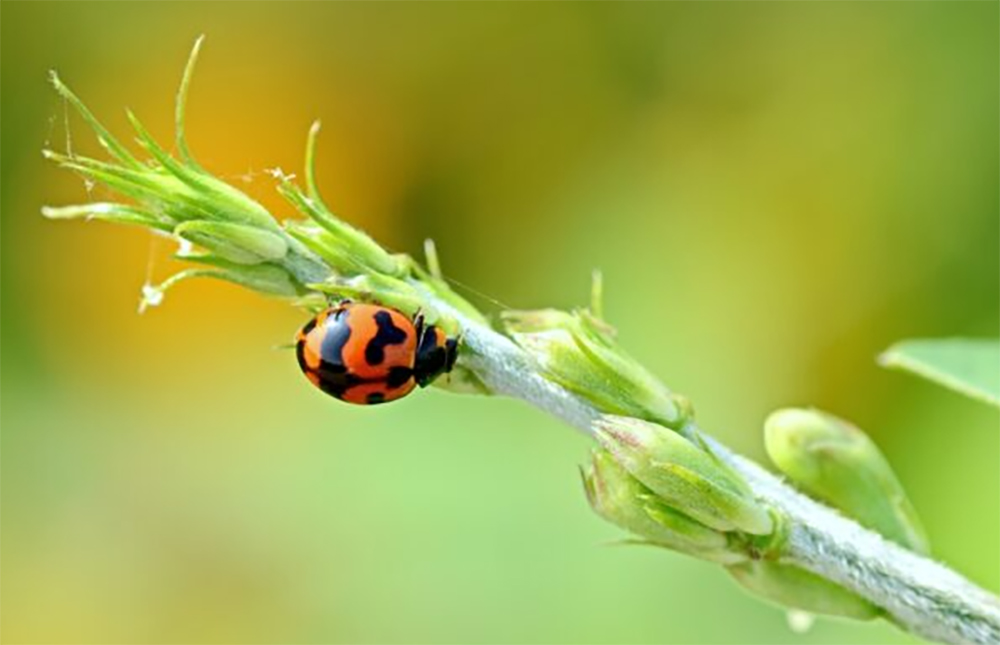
(181, 105)
(970, 366)
(105, 138)
(110, 212)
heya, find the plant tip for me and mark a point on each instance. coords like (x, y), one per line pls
(597, 293)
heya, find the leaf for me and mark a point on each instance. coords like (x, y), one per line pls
(970, 366)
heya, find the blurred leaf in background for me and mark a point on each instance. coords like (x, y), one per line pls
(969, 366)
(774, 191)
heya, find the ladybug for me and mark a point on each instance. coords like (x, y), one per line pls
(368, 354)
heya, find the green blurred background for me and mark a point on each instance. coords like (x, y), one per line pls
(775, 192)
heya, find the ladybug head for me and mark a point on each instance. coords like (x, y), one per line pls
(436, 354)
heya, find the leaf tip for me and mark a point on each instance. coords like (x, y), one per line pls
(56, 81)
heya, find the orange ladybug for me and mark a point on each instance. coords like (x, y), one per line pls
(368, 354)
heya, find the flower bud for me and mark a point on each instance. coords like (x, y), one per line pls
(578, 351)
(685, 476)
(344, 240)
(621, 499)
(236, 243)
(332, 251)
(213, 198)
(836, 462)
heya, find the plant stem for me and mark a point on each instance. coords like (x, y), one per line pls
(921, 595)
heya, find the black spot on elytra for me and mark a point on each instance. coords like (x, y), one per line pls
(300, 355)
(309, 325)
(300, 343)
(398, 376)
(335, 385)
(388, 334)
(375, 397)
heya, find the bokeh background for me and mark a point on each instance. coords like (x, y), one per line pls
(774, 191)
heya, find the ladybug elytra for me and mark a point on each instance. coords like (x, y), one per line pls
(367, 354)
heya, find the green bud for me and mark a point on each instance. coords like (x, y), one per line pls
(350, 240)
(170, 195)
(578, 351)
(180, 190)
(327, 246)
(687, 477)
(836, 462)
(236, 243)
(621, 499)
(791, 586)
(219, 199)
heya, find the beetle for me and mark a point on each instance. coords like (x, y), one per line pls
(368, 353)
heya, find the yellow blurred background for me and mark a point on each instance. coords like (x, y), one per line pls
(774, 191)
